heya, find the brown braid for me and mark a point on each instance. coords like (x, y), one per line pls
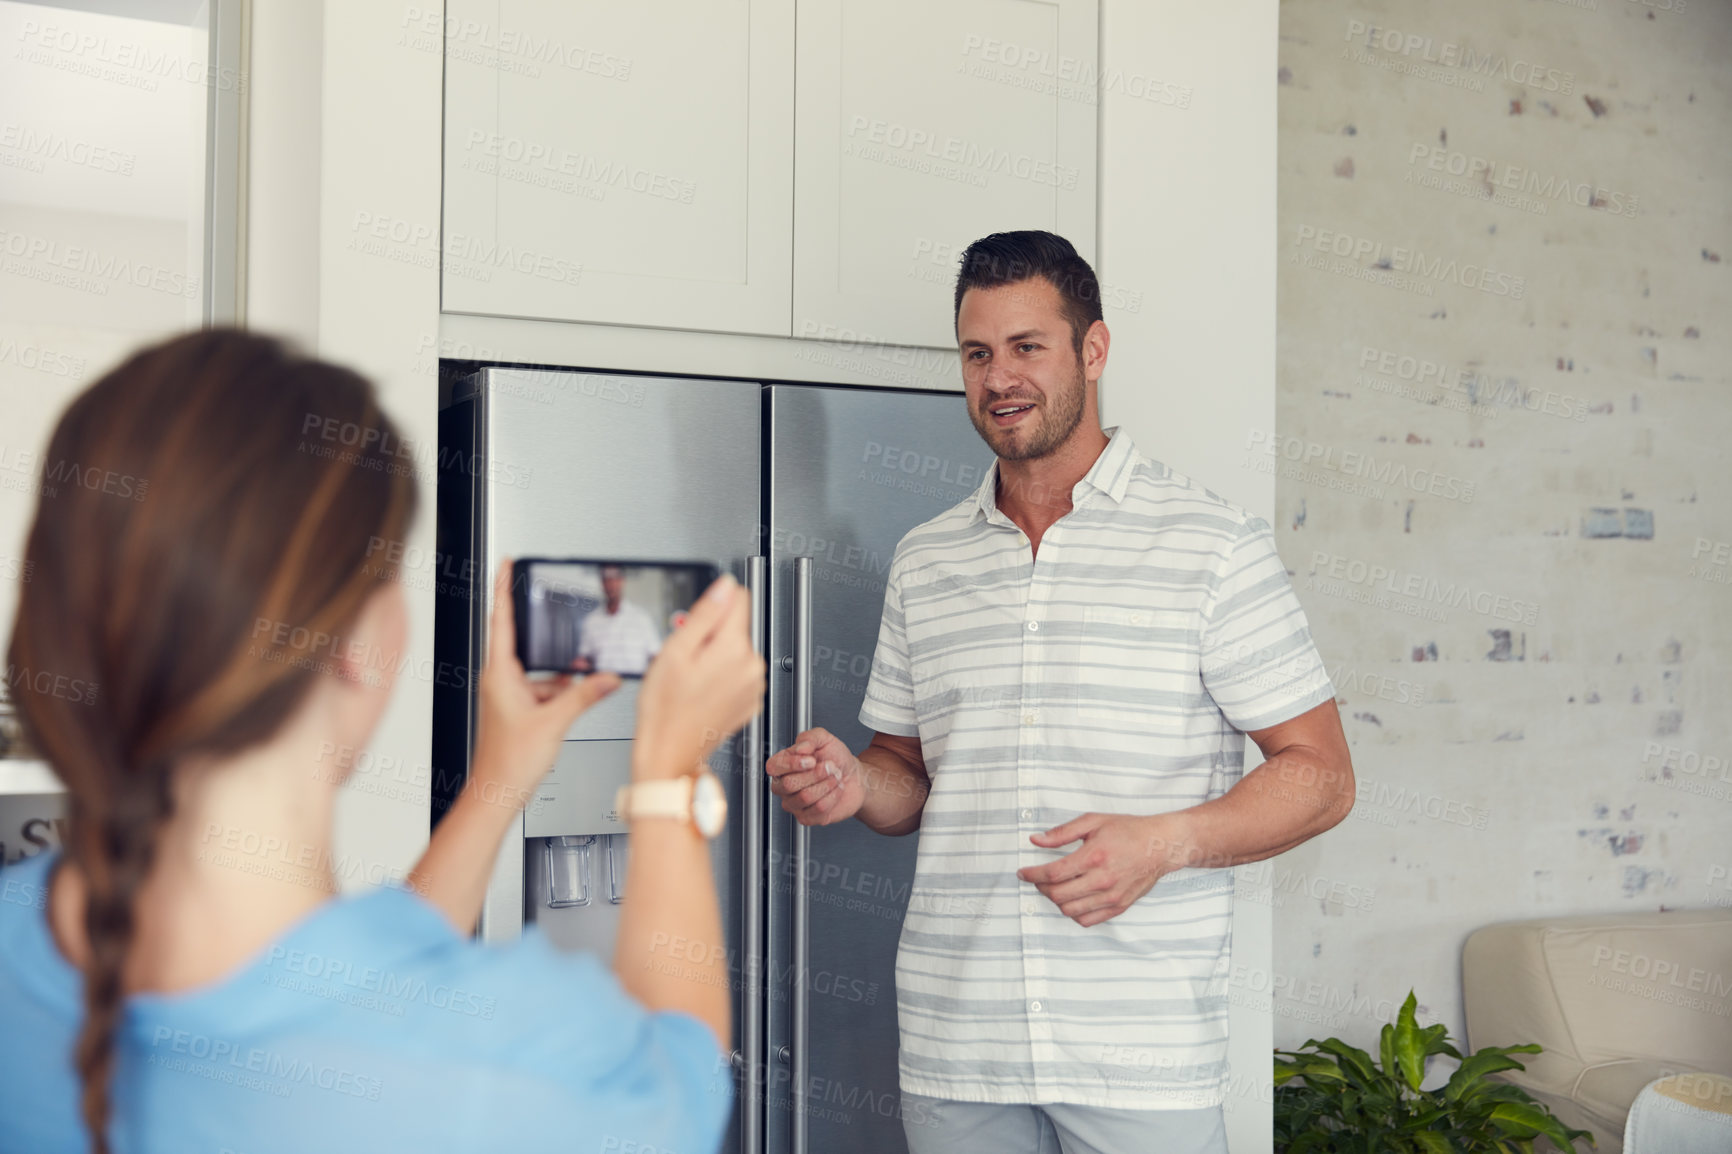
(205, 495)
(116, 866)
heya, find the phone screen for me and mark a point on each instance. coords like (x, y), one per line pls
(599, 616)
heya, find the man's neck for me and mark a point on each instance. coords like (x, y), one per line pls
(1035, 493)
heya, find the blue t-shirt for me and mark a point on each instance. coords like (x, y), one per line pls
(368, 1026)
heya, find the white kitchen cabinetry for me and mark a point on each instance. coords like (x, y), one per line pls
(920, 127)
(740, 166)
(622, 163)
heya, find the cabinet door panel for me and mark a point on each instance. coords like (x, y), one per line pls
(920, 127)
(620, 163)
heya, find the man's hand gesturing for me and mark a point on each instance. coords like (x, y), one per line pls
(1119, 861)
(819, 779)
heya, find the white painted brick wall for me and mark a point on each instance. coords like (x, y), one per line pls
(1592, 374)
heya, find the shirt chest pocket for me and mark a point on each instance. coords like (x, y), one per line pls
(1137, 668)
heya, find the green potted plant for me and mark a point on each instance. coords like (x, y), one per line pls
(1332, 1098)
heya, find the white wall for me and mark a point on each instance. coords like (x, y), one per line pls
(346, 136)
(285, 168)
(1187, 233)
(1578, 439)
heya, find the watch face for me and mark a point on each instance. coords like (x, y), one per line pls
(709, 805)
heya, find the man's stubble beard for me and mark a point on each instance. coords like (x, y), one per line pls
(1063, 414)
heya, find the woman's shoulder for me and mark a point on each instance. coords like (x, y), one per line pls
(379, 986)
(28, 958)
(389, 960)
(382, 958)
(382, 987)
(396, 975)
(383, 967)
(24, 888)
(385, 958)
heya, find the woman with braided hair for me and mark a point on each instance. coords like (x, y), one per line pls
(195, 652)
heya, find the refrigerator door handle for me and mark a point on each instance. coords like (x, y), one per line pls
(753, 796)
(800, 926)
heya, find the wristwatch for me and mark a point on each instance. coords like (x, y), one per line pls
(695, 798)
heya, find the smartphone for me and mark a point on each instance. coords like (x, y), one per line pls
(581, 615)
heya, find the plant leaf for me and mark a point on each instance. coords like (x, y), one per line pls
(1432, 1142)
(1311, 1067)
(1410, 1043)
(1355, 1063)
(1437, 1041)
(1522, 1121)
(1470, 1075)
(1425, 1118)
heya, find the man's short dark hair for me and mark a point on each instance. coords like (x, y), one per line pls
(1012, 257)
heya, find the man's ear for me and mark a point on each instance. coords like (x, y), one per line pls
(1096, 341)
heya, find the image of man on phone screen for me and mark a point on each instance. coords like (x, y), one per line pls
(617, 636)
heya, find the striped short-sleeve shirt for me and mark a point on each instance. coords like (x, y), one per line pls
(1116, 673)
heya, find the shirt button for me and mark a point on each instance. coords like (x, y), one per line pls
(1035, 1006)
(1034, 627)
(1029, 908)
(1028, 815)
(1028, 719)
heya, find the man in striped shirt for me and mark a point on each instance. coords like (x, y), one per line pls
(1074, 655)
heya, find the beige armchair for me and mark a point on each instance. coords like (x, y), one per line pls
(1617, 1001)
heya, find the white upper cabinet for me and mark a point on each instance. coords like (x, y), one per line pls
(921, 126)
(628, 163)
(721, 165)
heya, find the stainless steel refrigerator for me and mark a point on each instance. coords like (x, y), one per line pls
(802, 491)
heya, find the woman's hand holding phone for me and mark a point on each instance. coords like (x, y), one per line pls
(704, 685)
(522, 722)
(518, 733)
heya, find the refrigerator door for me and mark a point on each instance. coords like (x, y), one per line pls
(575, 464)
(851, 471)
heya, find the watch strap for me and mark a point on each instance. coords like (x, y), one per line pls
(671, 798)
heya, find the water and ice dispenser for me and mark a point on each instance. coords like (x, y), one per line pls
(576, 844)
